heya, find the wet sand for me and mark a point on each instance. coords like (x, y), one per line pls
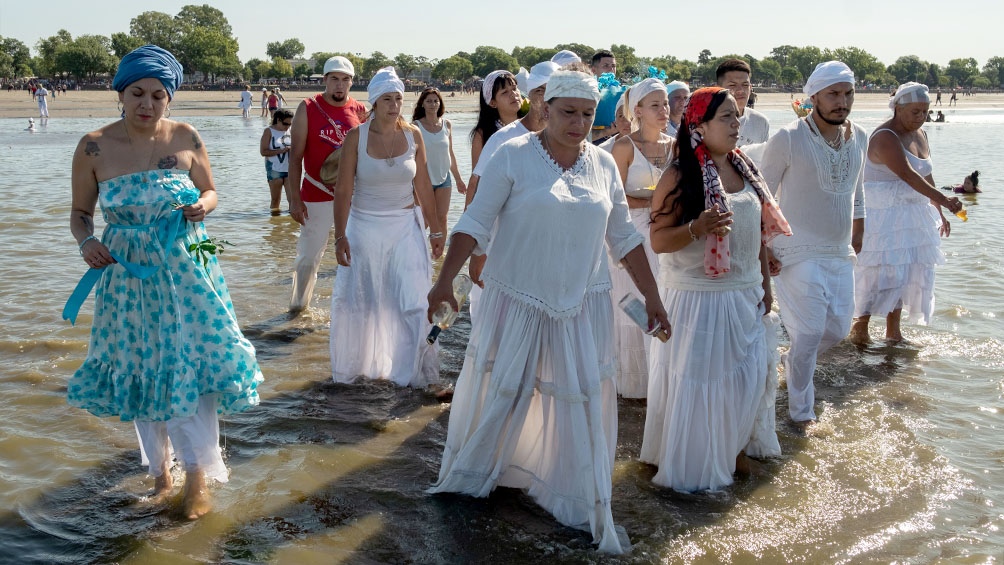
(102, 104)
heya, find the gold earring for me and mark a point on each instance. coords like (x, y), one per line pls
(168, 114)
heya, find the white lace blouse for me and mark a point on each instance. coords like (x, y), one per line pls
(552, 224)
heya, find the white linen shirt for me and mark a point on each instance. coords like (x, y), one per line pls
(549, 249)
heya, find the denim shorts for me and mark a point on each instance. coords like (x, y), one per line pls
(448, 183)
(273, 175)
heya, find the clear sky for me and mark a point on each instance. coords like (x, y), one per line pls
(934, 30)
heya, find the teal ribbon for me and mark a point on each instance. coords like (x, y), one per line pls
(169, 227)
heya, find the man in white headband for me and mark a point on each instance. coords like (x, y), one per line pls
(319, 128)
(535, 83)
(678, 92)
(534, 373)
(814, 166)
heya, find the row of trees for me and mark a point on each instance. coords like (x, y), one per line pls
(202, 39)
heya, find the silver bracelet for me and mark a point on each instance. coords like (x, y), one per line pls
(690, 230)
(339, 238)
(436, 235)
(80, 247)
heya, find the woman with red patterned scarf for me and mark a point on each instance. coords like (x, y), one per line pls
(708, 386)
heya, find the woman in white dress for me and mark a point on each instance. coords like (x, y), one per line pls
(384, 268)
(713, 216)
(535, 405)
(641, 158)
(901, 244)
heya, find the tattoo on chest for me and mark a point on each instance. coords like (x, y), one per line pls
(196, 141)
(91, 149)
(168, 162)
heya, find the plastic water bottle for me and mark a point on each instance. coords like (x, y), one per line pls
(636, 311)
(445, 315)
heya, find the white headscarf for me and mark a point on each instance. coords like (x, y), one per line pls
(830, 72)
(565, 57)
(635, 95)
(676, 85)
(909, 93)
(385, 80)
(535, 77)
(486, 87)
(572, 84)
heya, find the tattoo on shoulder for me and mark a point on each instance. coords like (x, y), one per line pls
(91, 149)
(168, 162)
(196, 140)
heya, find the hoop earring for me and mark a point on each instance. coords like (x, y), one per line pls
(120, 108)
(168, 115)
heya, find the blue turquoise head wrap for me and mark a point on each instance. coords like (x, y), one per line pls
(149, 61)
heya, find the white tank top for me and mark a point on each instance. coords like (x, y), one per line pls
(437, 152)
(641, 174)
(280, 139)
(379, 186)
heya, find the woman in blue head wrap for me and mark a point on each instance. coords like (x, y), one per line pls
(166, 351)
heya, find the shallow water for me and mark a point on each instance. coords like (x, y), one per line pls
(905, 466)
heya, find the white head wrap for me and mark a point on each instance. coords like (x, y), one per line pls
(572, 84)
(565, 57)
(385, 80)
(830, 72)
(621, 99)
(909, 93)
(539, 74)
(635, 95)
(521, 75)
(676, 85)
(486, 87)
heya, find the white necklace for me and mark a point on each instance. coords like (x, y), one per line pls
(389, 159)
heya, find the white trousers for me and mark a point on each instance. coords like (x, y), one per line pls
(43, 107)
(816, 297)
(195, 441)
(314, 234)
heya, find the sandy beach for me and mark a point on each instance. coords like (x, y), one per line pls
(102, 104)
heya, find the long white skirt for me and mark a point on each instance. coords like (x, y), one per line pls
(706, 388)
(536, 408)
(899, 251)
(631, 342)
(378, 308)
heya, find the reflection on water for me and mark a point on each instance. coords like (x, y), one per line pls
(904, 466)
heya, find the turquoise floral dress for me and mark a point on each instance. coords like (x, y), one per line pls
(164, 330)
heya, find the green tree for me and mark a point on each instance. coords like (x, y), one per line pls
(289, 49)
(627, 62)
(405, 65)
(192, 16)
(453, 68)
(157, 28)
(791, 76)
(584, 52)
(934, 75)
(782, 54)
(963, 71)
(374, 63)
(209, 51)
(864, 64)
(909, 68)
(15, 58)
(86, 56)
(281, 68)
(770, 72)
(994, 71)
(981, 81)
(487, 59)
(805, 59)
(251, 69)
(302, 70)
(704, 57)
(123, 43)
(529, 56)
(47, 48)
(262, 69)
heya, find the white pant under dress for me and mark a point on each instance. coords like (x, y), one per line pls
(195, 441)
(816, 297)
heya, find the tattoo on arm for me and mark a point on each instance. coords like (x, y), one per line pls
(168, 162)
(196, 141)
(86, 220)
(91, 149)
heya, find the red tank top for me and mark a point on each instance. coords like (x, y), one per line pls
(324, 135)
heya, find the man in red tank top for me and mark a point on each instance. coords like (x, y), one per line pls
(319, 127)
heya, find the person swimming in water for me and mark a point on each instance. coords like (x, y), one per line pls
(970, 184)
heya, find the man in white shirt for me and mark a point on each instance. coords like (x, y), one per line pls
(43, 103)
(678, 92)
(754, 128)
(814, 167)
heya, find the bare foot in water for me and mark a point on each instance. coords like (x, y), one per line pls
(802, 426)
(162, 485)
(748, 466)
(197, 500)
(859, 334)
